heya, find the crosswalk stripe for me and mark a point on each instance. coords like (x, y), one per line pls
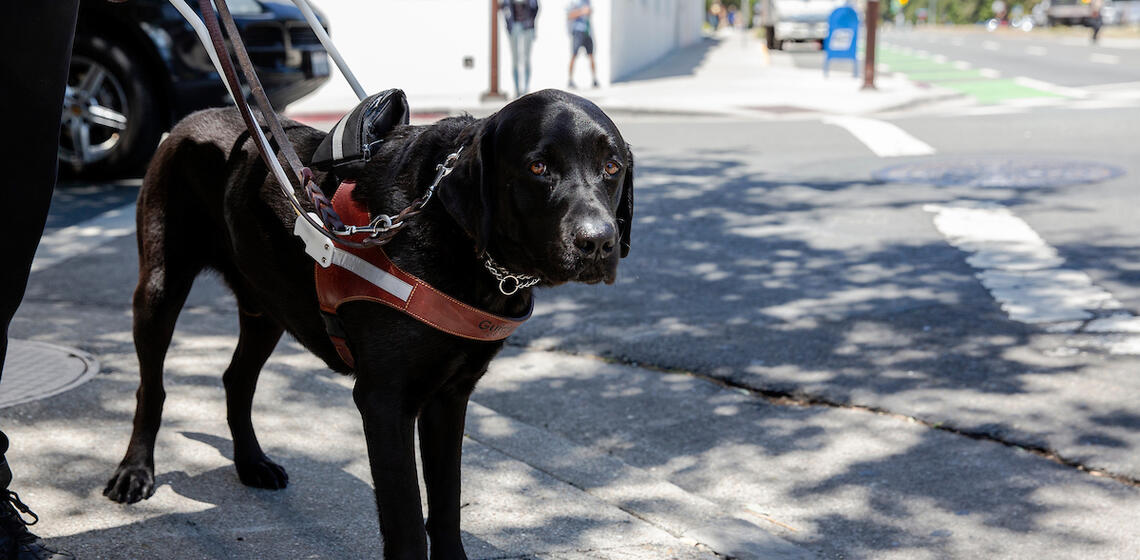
(883, 138)
(1051, 88)
(1101, 58)
(1026, 276)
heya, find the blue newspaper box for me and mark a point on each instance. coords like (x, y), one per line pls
(842, 37)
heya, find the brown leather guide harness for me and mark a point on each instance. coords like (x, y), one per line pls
(385, 283)
(350, 263)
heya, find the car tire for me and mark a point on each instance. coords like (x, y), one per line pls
(770, 35)
(111, 122)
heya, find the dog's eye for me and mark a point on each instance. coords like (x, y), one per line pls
(612, 167)
(538, 168)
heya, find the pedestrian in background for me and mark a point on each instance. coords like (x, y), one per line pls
(34, 76)
(716, 15)
(581, 37)
(520, 16)
(1095, 21)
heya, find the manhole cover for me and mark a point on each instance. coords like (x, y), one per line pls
(999, 172)
(37, 370)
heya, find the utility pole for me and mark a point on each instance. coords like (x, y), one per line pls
(872, 24)
(493, 92)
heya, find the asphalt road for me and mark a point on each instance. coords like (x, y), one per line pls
(767, 255)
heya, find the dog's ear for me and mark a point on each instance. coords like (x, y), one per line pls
(468, 193)
(625, 207)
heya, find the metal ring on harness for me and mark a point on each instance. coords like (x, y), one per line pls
(514, 285)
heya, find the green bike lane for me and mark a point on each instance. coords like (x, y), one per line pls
(985, 86)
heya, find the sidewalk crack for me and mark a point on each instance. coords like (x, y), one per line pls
(800, 399)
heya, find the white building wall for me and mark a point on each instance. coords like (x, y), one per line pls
(647, 30)
(420, 46)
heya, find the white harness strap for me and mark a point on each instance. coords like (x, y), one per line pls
(326, 254)
(338, 137)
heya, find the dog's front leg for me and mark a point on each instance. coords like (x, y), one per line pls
(441, 442)
(389, 420)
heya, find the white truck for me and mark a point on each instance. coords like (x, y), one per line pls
(796, 20)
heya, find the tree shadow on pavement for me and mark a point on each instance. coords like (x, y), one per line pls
(683, 62)
(844, 483)
(852, 298)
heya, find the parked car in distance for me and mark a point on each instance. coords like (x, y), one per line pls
(1069, 12)
(138, 67)
(796, 20)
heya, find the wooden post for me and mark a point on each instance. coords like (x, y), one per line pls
(869, 57)
(493, 92)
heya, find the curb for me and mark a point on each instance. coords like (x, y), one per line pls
(941, 97)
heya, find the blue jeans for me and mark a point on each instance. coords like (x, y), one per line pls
(521, 42)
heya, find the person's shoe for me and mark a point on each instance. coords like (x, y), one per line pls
(16, 541)
(570, 85)
(596, 86)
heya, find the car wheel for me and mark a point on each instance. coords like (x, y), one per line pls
(770, 36)
(110, 124)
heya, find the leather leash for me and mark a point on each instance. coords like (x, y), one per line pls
(344, 270)
(381, 231)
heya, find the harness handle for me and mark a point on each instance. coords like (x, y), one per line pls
(330, 225)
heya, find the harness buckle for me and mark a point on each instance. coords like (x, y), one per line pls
(317, 246)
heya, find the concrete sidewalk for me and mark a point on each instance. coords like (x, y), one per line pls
(529, 492)
(730, 74)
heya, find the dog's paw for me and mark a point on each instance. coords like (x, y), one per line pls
(262, 473)
(130, 484)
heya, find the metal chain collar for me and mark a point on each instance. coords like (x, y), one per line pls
(383, 227)
(509, 283)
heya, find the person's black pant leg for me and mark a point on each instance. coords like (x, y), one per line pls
(33, 75)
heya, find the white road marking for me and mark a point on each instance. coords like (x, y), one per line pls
(1026, 277)
(962, 65)
(1035, 50)
(986, 111)
(957, 41)
(1051, 88)
(1032, 102)
(1133, 87)
(84, 237)
(991, 45)
(940, 59)
(1094, 104)
(883, 138)
(1101, 58)
(989, 73)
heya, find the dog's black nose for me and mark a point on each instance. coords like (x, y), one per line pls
(595, 239)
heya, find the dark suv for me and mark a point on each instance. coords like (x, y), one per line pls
(138, 67)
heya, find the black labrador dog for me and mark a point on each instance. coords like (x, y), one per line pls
(545, 185)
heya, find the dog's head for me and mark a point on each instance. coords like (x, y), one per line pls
(547, 189)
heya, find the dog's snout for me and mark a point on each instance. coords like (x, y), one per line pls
(595, 239)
